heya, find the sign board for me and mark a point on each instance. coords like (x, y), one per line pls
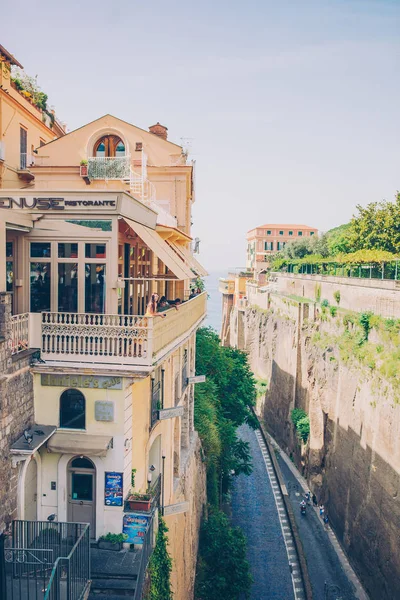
(104, 410)
(135, 526)
(113, 489)
(45, 203)
(176, 509)
(170, 413)
(100, 382)
(197, 379)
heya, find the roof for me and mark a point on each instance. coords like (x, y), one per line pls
(37, 436)
(117, 119)
(10, 57)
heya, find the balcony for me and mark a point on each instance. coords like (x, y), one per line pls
(226, 286)
(25, 162)
(104, 167)
(118, 340)
(2, 151)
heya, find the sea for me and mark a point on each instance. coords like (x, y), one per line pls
(214, 304)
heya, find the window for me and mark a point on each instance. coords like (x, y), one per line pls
(40, 250)
(67, 250)
(268, 245)
(290, 232)
(95, 250)
(280, 245)
(9, 267)
(23, 145)
(139, 146)
(82, 463)
(269, 232)
(281, 233)
(72, 410)
(312, 232)
(67, 287)
(40, 276)
(109, 146)
(42, 142)
(95, 288)
(300, 233)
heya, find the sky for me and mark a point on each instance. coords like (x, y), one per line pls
(290, 108)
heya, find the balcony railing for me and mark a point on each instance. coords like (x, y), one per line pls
(19, 333)
(106, 339)
(25, 161)
(104, 167)
(2, 151)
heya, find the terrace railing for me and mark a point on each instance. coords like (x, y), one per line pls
(19, 333)
(104, 167)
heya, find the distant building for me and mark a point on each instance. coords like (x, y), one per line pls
(269, 239)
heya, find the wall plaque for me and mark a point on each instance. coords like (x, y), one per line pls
(104, 410)
(82, 381)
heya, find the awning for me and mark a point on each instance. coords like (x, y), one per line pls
(161, 249)
(79, 443)
(188, 257)
(33, 439)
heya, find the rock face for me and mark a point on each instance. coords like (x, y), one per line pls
(352, 458)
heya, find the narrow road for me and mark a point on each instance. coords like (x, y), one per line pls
(322, 560)
(255, 510)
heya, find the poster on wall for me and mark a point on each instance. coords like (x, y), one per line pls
(135, 527)
(113, 489)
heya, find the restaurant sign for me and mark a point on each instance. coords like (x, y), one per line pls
(52, 203)
(135, 526)
(113, 489)
(82, 381)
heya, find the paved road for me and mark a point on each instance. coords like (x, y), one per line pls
(255, 511)
(322, 560)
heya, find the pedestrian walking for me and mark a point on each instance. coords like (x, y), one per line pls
(314, 500)
(326, 519)
(321, 510)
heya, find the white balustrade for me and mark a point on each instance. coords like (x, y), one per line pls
(19, 333)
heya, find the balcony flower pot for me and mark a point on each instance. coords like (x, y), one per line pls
(116, 546)
(84, 170)
(140, 502)
(112, 541)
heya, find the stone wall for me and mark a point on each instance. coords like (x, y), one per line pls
(380, 296)
(16, 411)
(352, 459)
(184, 528)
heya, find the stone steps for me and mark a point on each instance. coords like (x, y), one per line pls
(112, 587)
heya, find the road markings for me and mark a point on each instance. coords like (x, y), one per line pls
(286, 530)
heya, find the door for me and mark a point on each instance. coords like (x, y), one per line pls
(30, 507)
(82, 493)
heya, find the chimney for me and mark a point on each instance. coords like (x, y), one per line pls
(159, 130)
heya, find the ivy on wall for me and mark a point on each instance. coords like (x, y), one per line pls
(160, 566)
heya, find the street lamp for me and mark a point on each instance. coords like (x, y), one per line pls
(162, 482)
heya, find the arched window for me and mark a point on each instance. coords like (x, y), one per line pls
(72, 410)
(81, 462)
(109, 146)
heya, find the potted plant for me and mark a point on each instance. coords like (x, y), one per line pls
(140, 502)
(112, 541)
(84, 168)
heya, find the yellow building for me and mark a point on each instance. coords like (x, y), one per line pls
(105, 224)
(24, 127)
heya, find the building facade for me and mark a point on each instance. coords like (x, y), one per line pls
(104, 225)
(24, 126)
(268, 239)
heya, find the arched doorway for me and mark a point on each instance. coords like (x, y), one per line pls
(155, 458)
(82, 492)
(109, 146)
(30, 484)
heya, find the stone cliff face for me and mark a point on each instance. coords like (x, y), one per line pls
(352, 458)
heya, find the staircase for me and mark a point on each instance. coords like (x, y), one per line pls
(114, 574)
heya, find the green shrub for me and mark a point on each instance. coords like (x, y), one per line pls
(333, 311)
(297, 414)
(325, 303)
(114, 538)
(365, 322)
(223, 571)
(317, 292)
(301, 421)
(336, 295)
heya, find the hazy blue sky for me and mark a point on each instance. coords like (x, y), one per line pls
(292, 105)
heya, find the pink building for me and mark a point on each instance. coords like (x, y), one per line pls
(271, 238)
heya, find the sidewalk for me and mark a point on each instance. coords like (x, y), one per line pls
(359, 591)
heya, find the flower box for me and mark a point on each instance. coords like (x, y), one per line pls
(142, 505)
(84, 170)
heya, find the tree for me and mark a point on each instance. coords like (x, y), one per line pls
(376, 227)
(338, 240)
(223, 570)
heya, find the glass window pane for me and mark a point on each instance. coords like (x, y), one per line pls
(101, 149)
(82, 463)
(120, 149)
(67, 287)
(95, 250)
(9, 275)
(95, 288)
(9, 249)
(72, 409)
(300, 233)
(82, 486)
(67, 250)
(40, 249)
(40, 286)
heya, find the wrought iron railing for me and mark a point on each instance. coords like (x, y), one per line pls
(155, 402)
(19, 333)
(146, 552)
(105, 167)
(45, 560)
(25, 161)
(155, 490)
